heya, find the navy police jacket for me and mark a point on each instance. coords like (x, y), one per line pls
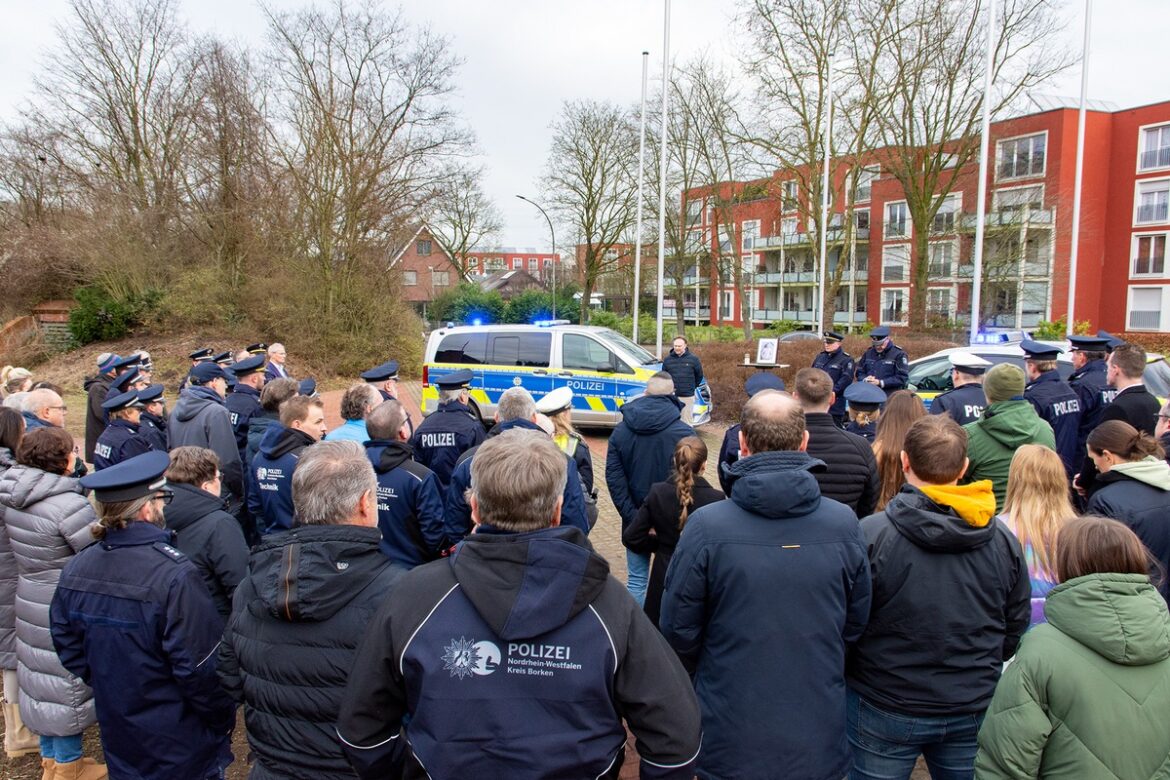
(243, 404)
(457, 513)
(1058, 405)
(517, 656)
(443, 437)
(154, 430)
(132, 618)
(728, 454)
(891, 367)
(1092, 388)
(839, 366)
(410, 506)
(270, 477)
(965, 404)
(119, 441)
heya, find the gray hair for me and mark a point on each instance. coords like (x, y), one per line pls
(515, 404)
(39, 399)
(386, 420)
(277, 347)
(454, 394)
(516, 479)
(329, 481)
(661, 383)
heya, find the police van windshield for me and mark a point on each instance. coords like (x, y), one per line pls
(642, 356)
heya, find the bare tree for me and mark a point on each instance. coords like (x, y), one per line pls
(590, 185)
(464, 216)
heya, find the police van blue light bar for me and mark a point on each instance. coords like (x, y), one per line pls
(549, 323)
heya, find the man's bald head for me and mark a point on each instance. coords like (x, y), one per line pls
(773, 422)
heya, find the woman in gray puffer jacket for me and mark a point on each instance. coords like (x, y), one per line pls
(48, 521)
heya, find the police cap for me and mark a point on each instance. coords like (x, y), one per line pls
(864, 396)
(455, 380)
(834, 336)
(969, 363)
(879, 333)
(149, 395)
(125, 379)
(762, 380)
(388, 370)
(206, 372)
(259, 348)
(1111, 341)
(307, 387)
(129, 480)
(223, 359)
(122, 401)
(126, 362)
(201, 354)
(557, 401)
(252, 365)
(1088, 344)
(1038, 350)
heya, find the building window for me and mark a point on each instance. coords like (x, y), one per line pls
(940, 302)
(896, 263)
(1149, 255)
(947, 214)
(893, 306)
(422, 247)
(410, 278)
(1019, 157)
(694, 212)
(1145, 308)
(1034, 304)
(441, 278)
(788, 201)
(861, 258)
(496, 264)
(726, 302)
(548, 264)
(1017, 199)
(533, 264)
(942, 260)
(749, 233)
(1001, 303)
(1153, 202)
(865, 180)
(1155, 151)
(696, 242)
(861, 219)
(788, 226)
(1037, 250)
(897, 220)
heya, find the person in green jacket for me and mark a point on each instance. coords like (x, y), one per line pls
(1088, 693)
(1009, 422)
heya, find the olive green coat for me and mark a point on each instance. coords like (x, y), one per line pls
(1087, 696)
(993, 440)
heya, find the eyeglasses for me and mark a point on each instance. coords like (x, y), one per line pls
(1164, 416)
(62, 407)
(165, 496)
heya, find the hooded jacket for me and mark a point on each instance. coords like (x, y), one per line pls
(992, 441)
(257, 428)
(48, 521)
(410, 507)
(96, 388)
(951, 599)
(289, 647)
(211, 539)
(640, 450)
(1138, 494)
(1089, 693)
(763, 595)
(270, 478)
(523, 651)
(7, 580)
(200, 419)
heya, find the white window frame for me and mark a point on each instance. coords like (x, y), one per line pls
(952, 299)
(865, 195)
(789, 196)
(996, 196)
(906, 265)
(868, 223)
(952, 263)
(695, 212)
(1139, 187)
(903, 292)
(1142, 147)
(957, 199)
(789, 226)
(999, 156)
(1133, 255)
(1022, 298)
(410, 278)
(748, 233)
(727, 303)
(441, 278)
(1161, 327)
(886, 235)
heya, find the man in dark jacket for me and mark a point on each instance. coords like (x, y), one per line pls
(465, 672)
(763, 594)
(639, 454)
(1055, 402)
(272, 396)
(515, 409)
(200, 419)
(270, 498)
(410, 507)
(204, 531)
(951, 599)
(884, 364)
(132, 618)
(686, 371)
(243, 403)
(729, 449)
(44, 408)
(965, 402)
(451, 431)
(839, 365)
(299, 615)
(850, 474)
(152, 424)
(120, 440)
(1090, 382)
(96, 388)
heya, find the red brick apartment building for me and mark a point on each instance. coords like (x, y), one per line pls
(1123, 282)
(538, 264)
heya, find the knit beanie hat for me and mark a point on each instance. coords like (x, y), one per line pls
(1003, 382)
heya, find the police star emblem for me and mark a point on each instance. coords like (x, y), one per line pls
(461, 657)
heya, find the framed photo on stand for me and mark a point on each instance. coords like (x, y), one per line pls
(766, 350)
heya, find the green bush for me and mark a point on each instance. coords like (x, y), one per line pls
(468, 302)
(534, 304)
(1055, 330)
(99, 317)
(780, 327)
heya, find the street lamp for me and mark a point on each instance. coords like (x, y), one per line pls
(553, 233)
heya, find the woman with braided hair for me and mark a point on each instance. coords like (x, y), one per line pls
(663, 515)
(1133, 486)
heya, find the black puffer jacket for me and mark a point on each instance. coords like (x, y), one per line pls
(1137, 493)
(290, 645)
(850, 475)
(211, 539)
(685, 370)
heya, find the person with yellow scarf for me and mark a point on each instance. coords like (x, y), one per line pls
(951, 599)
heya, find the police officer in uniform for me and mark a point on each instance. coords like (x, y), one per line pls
(1055, 402)
(966, 402)
(1089, 381)
(133, 619)
(243, 403)
(450, 431)
(126, 377)
(120, 440)
(384, 378)
(839, 365)
(152, 424)
(865, 402)
(884, 364)
(202, 355)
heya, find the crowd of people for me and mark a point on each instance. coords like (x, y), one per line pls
(978, 581)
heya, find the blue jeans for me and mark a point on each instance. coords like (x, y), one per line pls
(63, 750)
(886, 745)
(637, 575)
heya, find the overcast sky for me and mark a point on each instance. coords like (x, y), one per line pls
(522, 58)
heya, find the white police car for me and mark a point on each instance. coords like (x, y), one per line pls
(603, 368)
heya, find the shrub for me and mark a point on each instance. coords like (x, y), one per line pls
(1056, 330)
(468, 302)
(100, 317)
(534, 304)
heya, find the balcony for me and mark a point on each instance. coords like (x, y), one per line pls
(1155, 158)
(668, 312)
(788, 240)
(1011, 218)
(1145, 320)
